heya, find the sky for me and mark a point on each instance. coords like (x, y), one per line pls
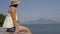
(29, 10)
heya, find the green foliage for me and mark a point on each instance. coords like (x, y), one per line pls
(2, 18)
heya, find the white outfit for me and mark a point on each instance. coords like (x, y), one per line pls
(8, 23)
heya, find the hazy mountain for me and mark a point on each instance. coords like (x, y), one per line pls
(42, 21)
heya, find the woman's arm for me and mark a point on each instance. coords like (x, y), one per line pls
(12, 11)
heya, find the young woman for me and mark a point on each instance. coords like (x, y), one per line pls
(12, 12)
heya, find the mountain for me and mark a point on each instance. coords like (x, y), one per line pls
(42, 21)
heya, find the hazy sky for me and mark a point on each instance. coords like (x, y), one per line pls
(34, 9)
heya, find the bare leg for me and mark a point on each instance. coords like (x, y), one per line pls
(23, 28)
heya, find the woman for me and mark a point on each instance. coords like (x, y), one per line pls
(12, 12)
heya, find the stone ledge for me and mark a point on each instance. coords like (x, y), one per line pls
(3, 31)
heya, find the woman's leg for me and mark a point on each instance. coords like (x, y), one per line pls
(23, 29)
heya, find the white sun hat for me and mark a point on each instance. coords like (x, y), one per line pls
(13, 2)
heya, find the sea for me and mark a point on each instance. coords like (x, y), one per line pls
(43, 28)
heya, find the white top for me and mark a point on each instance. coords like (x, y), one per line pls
(8, 23)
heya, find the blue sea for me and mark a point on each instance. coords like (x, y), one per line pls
(44, 28)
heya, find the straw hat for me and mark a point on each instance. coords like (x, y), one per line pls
(13, 2)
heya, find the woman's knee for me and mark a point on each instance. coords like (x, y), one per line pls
(24, 28)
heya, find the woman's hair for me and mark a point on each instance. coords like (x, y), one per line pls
(15, 5)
